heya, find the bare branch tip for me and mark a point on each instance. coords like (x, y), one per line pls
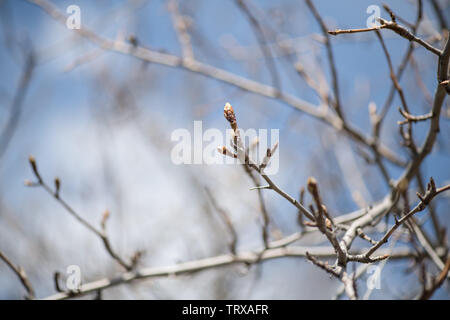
(229, 114)
(311, 184)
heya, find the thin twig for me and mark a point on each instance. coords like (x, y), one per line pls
(330, 55)
(226, 219)
(197, 67)
(437, 283)
(410, 118)
(400, 30)
(424, 201)
(247, 257)
(266, 51)
(17, 103)
(181, 29)
(21, 274)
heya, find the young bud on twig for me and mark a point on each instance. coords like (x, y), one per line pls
(269, 154)
(105, 217)
(228, 112)
(32, 161)
(431, 185)
(311, 185)
(33, 164)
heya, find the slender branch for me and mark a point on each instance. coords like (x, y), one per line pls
(405, 33)
(323, 265)
(181, 29)
(55, 194)
(395, 82)
(339, 272)
(433, 130)
(266, 51)
(354, 222)
(247, 257)
(424, 201)
(400, 30)
(439, 231)
(231, 118)
(262, 205)
(401, 68)
(340, 31)
(21, 274)
(427, 293)
(358, 273)
(324, 221)
(410, 118)
(16, 106)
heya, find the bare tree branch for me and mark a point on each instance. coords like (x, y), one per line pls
(21, 274)
(224, 76)
(17, 103)
(391, 25)
(247, 257)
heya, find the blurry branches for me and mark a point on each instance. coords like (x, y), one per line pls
(323, 221)
(227, 77)
(21, 274)
(394, 26)
(100, 233)
(226, 219)
(245, 257)
(17, 102)
(339, 230)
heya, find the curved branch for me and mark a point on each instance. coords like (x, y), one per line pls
(248, 257)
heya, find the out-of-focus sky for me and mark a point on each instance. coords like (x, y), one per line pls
(117, 157)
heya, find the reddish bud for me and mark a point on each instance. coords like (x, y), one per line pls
(229, 114)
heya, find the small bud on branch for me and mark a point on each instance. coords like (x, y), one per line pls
(105, 217)
(33, 164)
(229, 114)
